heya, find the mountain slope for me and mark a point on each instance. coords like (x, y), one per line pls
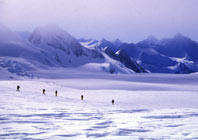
(117, 42)
(171, 55)
(50, 50)
(62, 48)
(50, 47)
(131, 50)
(124, 59)
(105, 43)
(129, 62)
(179, 46)
(12, 45)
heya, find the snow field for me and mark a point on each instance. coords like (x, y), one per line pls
(138, 113)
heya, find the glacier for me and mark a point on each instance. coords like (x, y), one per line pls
(154, 106)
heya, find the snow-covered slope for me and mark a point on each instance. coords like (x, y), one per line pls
(18, 55)
(154, 106)
(164, 56)
(50, 46)
(89, 43)
(110, 66)
(105, 43)
(179, 46)
(119, 57)
(62, 48)
(5, 74)
(11, 45)
(51, 49)
(65, 50)
(123, 58)
(129, 62)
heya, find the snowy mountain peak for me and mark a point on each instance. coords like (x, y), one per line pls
(152, 39)
(117, 42)
(62, 48)
(148, 43)
(180, 36)
(53, 37)
(103, 40)
(50, 29)
(105, 43)
(49, 33)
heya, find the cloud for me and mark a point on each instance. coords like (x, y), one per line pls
(130, 20)
(1, 7)
(1, 4)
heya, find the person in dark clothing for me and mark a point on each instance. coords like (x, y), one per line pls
(43, 91)
(82, 97)
(56, 93)
(18, 88)
(113, 102)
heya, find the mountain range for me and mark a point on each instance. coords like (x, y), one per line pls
(170, 55)
(50, 48)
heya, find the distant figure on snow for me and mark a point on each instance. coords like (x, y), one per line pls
(43, 91)
(113, 102)
(18, 88)
(56, 93)
(82, 97)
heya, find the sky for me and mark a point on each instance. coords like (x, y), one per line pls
(128, 20)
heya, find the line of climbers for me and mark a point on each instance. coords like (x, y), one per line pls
(56, 94)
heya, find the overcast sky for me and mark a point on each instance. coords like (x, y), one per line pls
(129, 20)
